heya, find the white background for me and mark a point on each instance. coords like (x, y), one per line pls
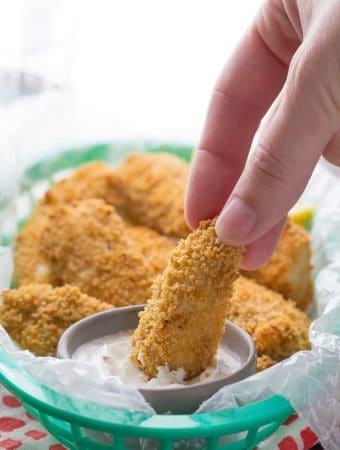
(140, 68)
(153, 63)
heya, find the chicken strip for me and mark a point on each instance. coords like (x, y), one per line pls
(36, 315)
(94, 180)
(152, 187)
(154, 247)
(289, 269)
(87, 246)
(277, 326)
(30, 264)
(184, 320)
(264, 362)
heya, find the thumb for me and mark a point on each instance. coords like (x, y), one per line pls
(286, 152)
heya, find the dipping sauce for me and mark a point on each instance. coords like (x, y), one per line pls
(111, 355)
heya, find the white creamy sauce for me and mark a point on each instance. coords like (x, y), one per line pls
(111, 355)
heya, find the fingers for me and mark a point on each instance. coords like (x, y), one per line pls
(332, 151)
(259, 252)
(248, 84)
(282, 161)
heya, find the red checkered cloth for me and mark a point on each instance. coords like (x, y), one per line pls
(18, 429)
(294, 434)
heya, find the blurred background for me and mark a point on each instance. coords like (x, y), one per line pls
(80, 71)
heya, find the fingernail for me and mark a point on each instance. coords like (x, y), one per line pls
(235, 222)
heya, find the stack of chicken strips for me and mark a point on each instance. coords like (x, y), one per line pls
(109, 237)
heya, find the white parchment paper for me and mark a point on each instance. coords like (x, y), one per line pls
(310, 380)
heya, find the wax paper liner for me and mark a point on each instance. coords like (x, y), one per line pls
(309, 379)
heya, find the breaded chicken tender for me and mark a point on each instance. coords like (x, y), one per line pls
(152, 187)
(30, 264)
(277, 326)
(184, 320)
(264, 362)
(289, 269)
(94, 180)
(36, 315)
(87, 246)
(154, 247)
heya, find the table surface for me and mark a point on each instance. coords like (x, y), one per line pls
(19, 430)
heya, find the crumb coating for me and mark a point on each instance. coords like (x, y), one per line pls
(264, 362)
(288, 271)
(94, 180)
(153, 188)
(36, 315)
(184, 320)
(87, 246)
(30, 264)
(153, 246)
(277, 326)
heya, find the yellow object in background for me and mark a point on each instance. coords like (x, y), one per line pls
(303, 217)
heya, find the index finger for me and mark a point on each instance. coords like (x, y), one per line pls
(249, 82)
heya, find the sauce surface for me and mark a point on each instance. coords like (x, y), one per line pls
(111, 355)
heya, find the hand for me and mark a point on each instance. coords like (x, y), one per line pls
(287, 62)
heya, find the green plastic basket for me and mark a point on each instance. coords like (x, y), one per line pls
(79, 424)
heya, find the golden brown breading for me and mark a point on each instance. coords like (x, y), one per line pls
(264, 362)
(289, 269)
(154, 247)
(184, 320)
(278, 328)
(87, 246)
(152, 190)
(30, 264)
(94, 180)
(36, 315)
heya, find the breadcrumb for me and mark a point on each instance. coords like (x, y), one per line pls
(264, 362)
(94, 180)
(289, 269)
(184, 320)
(87, 246)
(152, 187)
(154, 247)
(30, 264)
(36, 315)
(277, 326)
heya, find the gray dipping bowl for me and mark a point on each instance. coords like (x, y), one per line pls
(178, 400)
